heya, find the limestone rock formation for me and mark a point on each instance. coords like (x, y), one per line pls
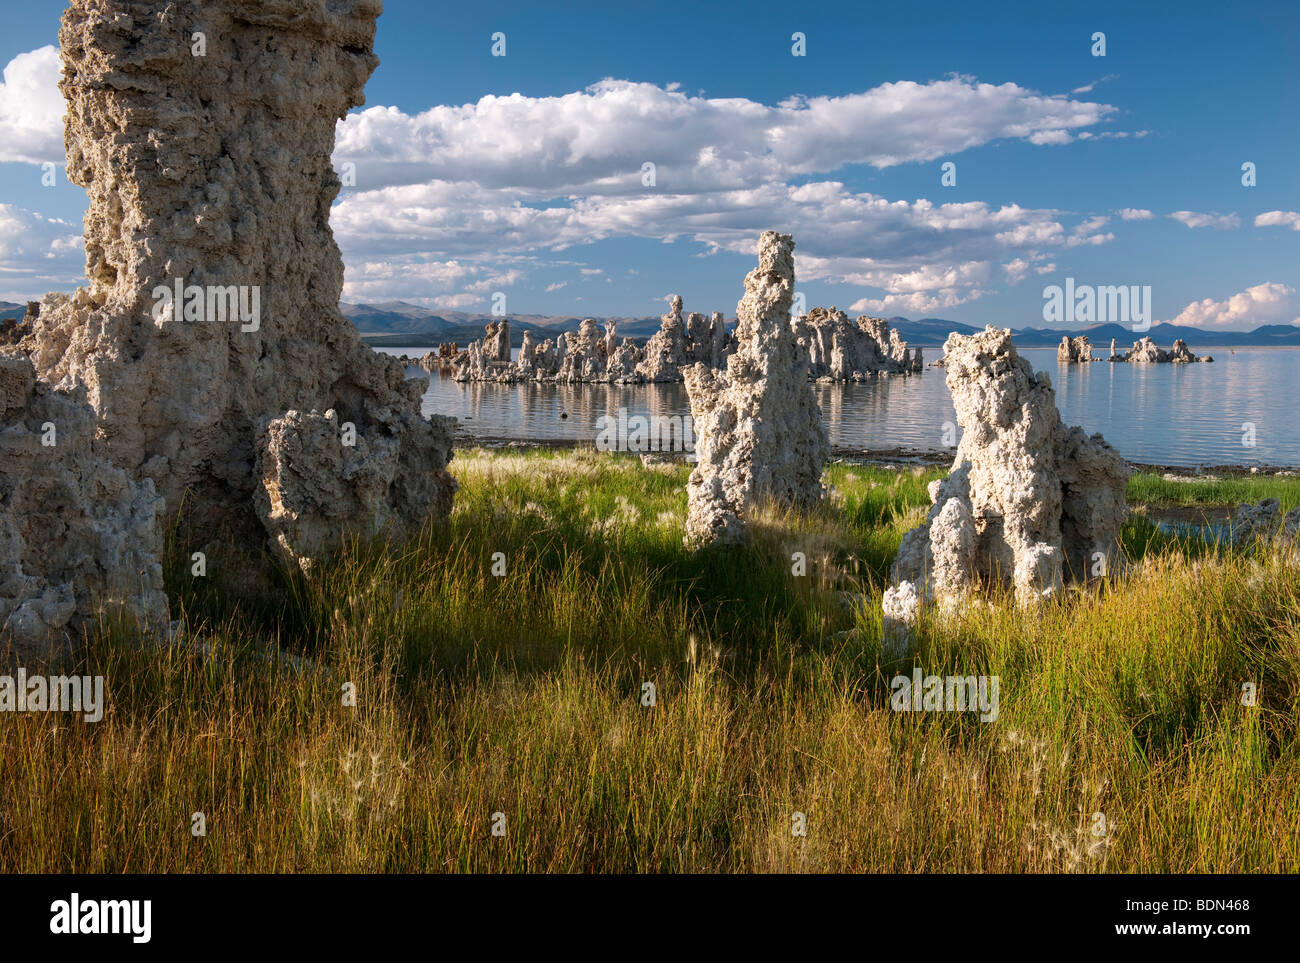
(623, 362)
(1146, 351)
(1264, 523)
(841, 350)
(583, 358)
(496, 341)
(1029, 504)
(1075, 350)
(666, 351)
(77, 535)
(527, 363)
(757, 425)
(12, 331)
(838, 350)
(212, 309)
(320, 477)
(591, 356)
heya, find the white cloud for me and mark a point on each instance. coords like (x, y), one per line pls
(899, 246)
(914, 304)
(451, 284)
(31, 108)
(37, 253)
(595, 141)
(1215, 220)
(450, 203)
(1289, 219)
(556, 286)
(1135, 214)
(1016, 271)
(1088, 88)
(1269, 303)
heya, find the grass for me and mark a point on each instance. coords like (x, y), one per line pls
(522, 694)
(1157, 489)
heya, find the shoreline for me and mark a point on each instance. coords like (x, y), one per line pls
(885, 456)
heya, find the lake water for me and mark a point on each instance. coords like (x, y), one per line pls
(1186, 415)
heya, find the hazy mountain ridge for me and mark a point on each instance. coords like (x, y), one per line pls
(399, 324)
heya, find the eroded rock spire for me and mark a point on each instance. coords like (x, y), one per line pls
(209, 337)
(757, 425)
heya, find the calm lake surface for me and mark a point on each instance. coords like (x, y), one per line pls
(1186, 415)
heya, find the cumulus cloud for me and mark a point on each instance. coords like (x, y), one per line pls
(1269, 303)
(914, 304)
(1135, 214)
(1016, 271)
(596, 141)
(1215, 220)
(31, 109)
(899, 246)
(450, 203)
(451, 284)
(1289, 219)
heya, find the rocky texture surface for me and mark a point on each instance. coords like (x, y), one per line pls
(496, 341)
(667, 349)
(589, 355)
(78, 537)
(1264, 523)
(319, 479)
(841, 350)
(13, 331)
(838, 350)
(435, 360)
(1146, 351)
(757, 425)
(213, 172)
(1075, 350)
(584, 355)
(1029, 504)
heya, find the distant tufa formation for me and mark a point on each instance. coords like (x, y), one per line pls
(1145, 351)
(1030, 504)
(209, 341)
(757, 424)
(841, 350)
(1074, 350)
(837, 349)
(11, 331)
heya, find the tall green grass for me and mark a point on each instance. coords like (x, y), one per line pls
(522, 694)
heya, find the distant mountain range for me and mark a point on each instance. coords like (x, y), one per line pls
(10, 310)
(398, 324)
(934, 331)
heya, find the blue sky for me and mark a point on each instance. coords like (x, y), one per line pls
(523, 173)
